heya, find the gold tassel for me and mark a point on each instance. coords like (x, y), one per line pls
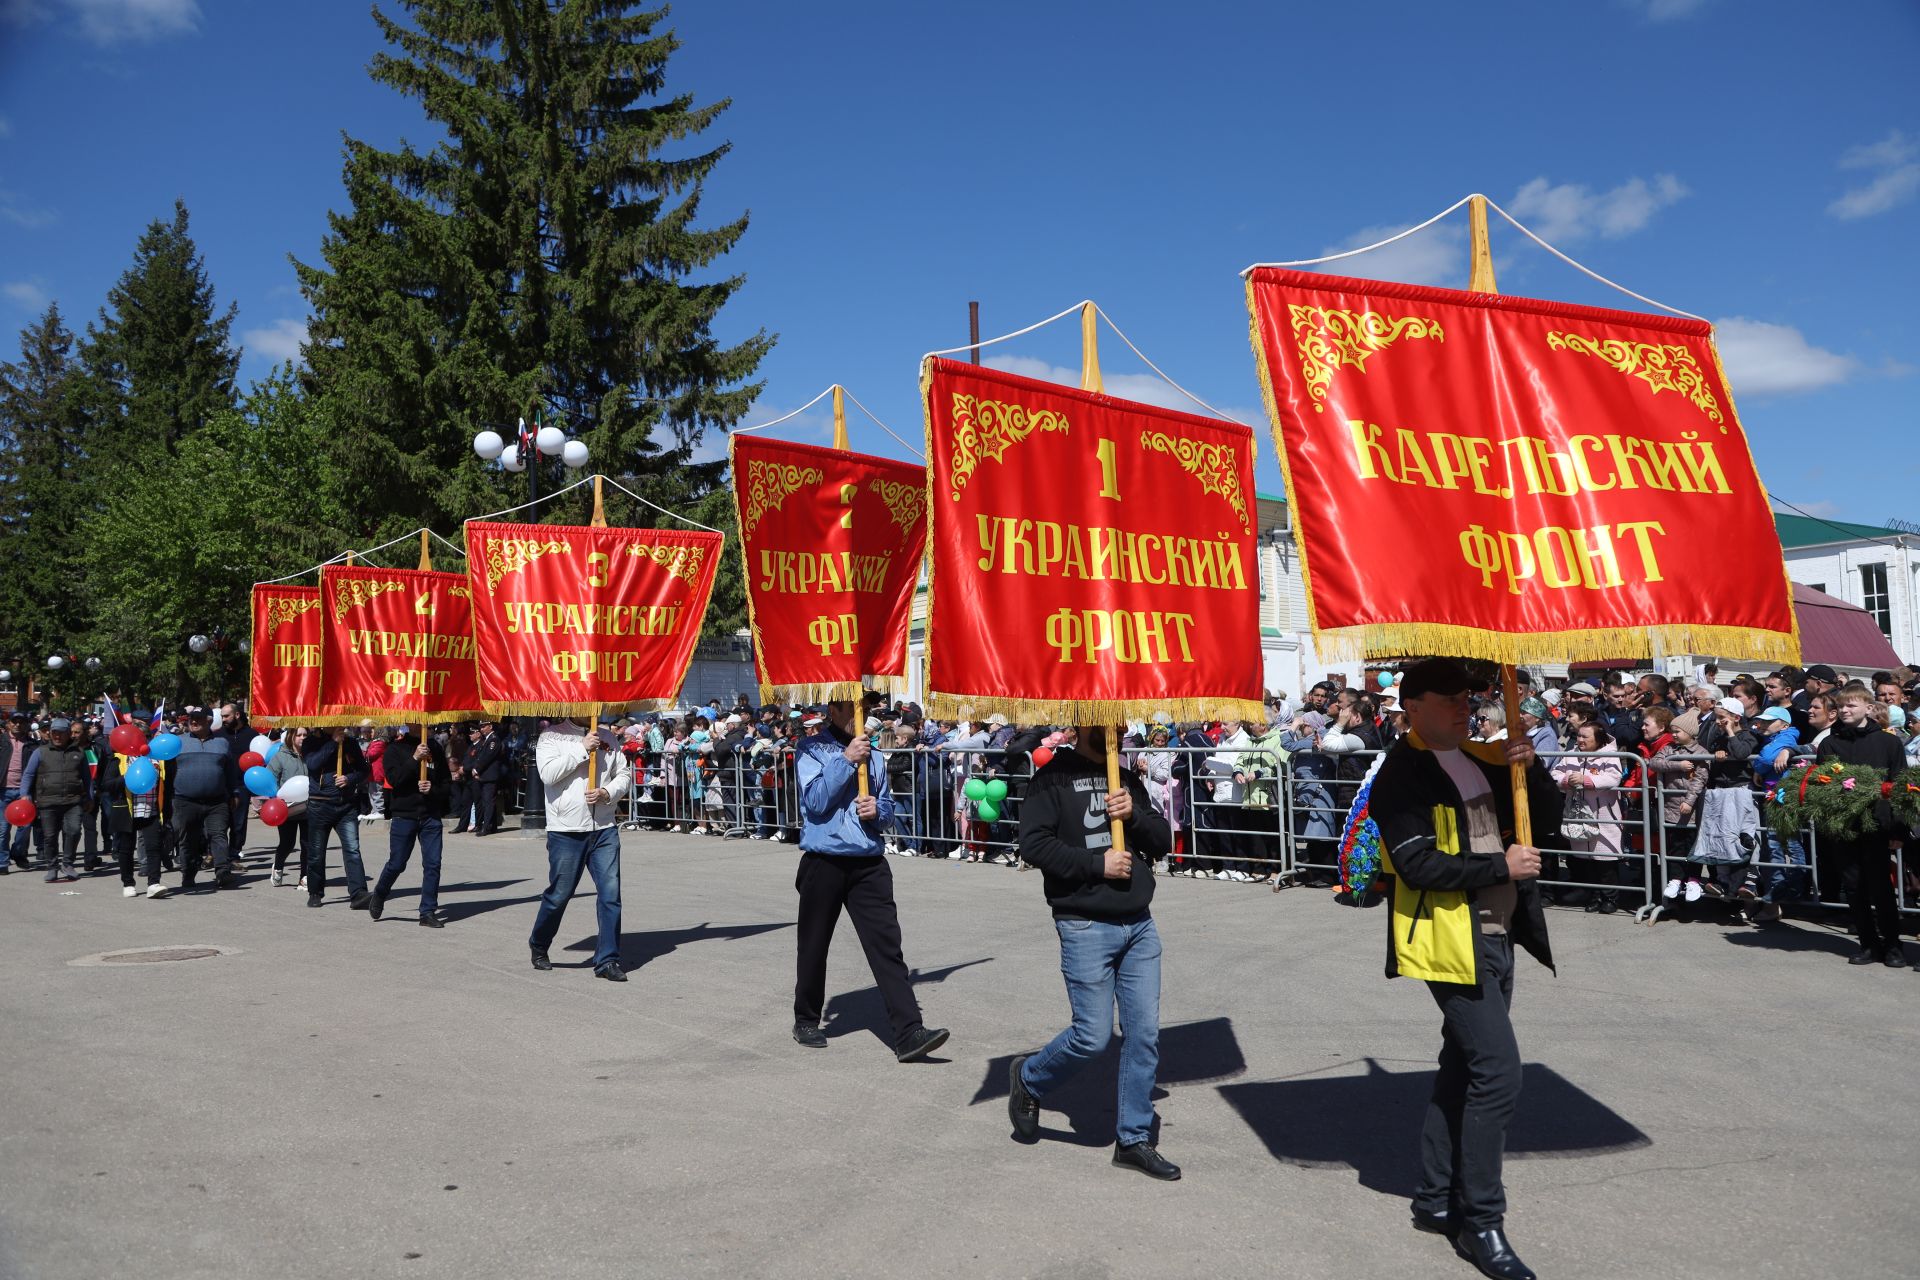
(960, 706)
(1414, 639)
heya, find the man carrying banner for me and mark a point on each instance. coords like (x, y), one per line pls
(843, 864)
(421, 782)
(1460, 898)
(336, 779)
(1109, 947)
(583, 834)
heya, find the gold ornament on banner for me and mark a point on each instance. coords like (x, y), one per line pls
(906, 503)
(985, 429)
(1330, 338)
(682, 562)
(286, 608)
(510, 555)
(770, 484)
(1215, 465)
(1664, 367)
(357, 591)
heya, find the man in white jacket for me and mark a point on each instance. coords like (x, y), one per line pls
(583, 833)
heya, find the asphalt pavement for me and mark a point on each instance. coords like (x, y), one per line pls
(330, 1096)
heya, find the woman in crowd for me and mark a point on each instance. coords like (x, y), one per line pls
(1591, 823)
(1155, 764)
(1224, 820)
(1729, 818)
(1663, 745)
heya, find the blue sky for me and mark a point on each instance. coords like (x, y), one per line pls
(1741, 159)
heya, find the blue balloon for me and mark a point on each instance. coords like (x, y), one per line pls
(165, 746)
(260, 781)
(141, 776)
(1386, 679)
(273, 749)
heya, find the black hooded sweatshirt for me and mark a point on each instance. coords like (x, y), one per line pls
(1873, 746)
(1064, 831)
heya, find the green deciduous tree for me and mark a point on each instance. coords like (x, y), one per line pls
(546, 252)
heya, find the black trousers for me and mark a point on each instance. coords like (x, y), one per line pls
(294, 828)
(1866, 869)
(486, 795)
(144, 837)
(864, 886)
(1474, 1094)
(460, 800)
(202, 828)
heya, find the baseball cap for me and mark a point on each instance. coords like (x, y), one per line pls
(1736, 706)
(1773, 713)
(1821, 672)
(814, 721)
(61, 725)
(1443, 676)
(1584, 689)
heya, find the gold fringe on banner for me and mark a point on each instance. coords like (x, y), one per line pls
(833, 691)
(575, 710)
(383, 716)
(960, 706)
(1415, 639)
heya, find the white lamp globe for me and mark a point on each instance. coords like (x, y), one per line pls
(246, 646)
(551, 440)
(93, 664)
(199, 644)
(488, 445)
(575, 454)
(511, 460)
(5, 675)
(55, 662)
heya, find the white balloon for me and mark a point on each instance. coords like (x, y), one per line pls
(5, 675)
(575, 454)
(55, 662)
(260, 745)
(511, 459)
(488, 445)
(551, 440)
(294, 790)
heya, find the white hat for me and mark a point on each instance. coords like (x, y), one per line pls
(996, 718)
(1735, 706)
(1551, 697)
(813, 721)
(1582, 688)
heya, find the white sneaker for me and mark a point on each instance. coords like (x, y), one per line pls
(1672, 890)
(303, 882)
(954, 855)
(129, 892)
(1694, 891)
(277, 879)
(157, 891)
(753, 835)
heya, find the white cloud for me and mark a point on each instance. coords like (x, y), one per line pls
(1147, 388)
(280, 341)
(1776, 359)
(24, 293)
(32, 217)
(1436, 255)
(1894, 162)
(115, 21)
(1570, 212)
(6, 127)
(1667, 10)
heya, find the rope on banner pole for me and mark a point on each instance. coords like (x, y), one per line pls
(1157, 369)
(740, 431)
(656, 506)
(312, 568)
(884, 427)
(1017, 333)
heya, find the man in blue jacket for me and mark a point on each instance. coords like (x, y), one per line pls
(206, 791)
(843, 864)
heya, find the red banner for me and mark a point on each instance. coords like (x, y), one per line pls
(832, 542)
(285, 680)
(396, 645)
(1093, 558)
(571, 620)
(1512, 479)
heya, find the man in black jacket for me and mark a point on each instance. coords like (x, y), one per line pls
(59, 783)
(336, 779)
(486, 765)
(1461, 896)
(1109, 948)
(1866, 863)
(421, 781)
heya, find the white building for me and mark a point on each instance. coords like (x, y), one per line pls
(1871, 566)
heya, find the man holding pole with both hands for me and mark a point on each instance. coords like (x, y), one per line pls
(584, 775)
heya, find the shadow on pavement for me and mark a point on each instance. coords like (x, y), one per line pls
(1191, 1053)
(638, 949)
(1372, 1122)
(864, 1010)
(1792, 939)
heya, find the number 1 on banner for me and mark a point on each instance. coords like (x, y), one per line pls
(1109, 476)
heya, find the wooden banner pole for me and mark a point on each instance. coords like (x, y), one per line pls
(1090, 380)
(1481, 280)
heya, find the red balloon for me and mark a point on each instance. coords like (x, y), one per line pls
(128, 740)
(273, 811)
(1041, 755)
(21, 813)
(248, 759)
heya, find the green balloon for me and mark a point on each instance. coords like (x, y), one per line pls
(989, 811)
(996, 791)
(975, 789)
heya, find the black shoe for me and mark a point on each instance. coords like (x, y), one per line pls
(1609, 902)
(540, 960)
(611, 971)
(376, 903)
(360, 901)
(430, 921)
(1148, 1160)
(460, 830)
(1896, 957)
(1439, 1224)
(226, 882)
(1864, 956)
(1022, 1107)
(809, 1036)
(921, 1043)
(1489, 1251)
(313, 899)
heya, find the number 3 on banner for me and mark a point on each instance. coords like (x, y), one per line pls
(1109, 476)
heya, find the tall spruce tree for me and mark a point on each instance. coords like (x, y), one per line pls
(42, 498)
(545, 253)
(159, 360)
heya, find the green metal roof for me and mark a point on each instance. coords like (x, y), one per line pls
(1805, 531)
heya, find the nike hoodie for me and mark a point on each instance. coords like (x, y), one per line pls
(1064, 831)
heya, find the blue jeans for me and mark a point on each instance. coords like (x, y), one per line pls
(401, 834)
(18, 837)
(344, 822)
(1107, 964)
(568, 854)
(1783, 883)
